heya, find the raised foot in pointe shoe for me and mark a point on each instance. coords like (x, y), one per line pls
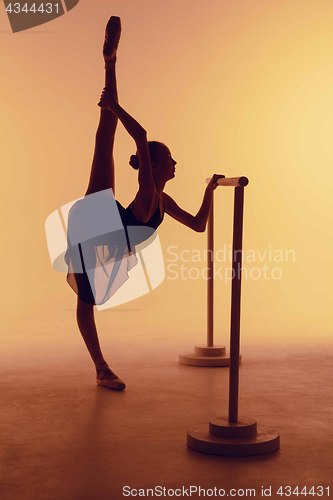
(112, 37)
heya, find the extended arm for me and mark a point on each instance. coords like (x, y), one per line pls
(138, 133)
(196, 222)
(147, 197)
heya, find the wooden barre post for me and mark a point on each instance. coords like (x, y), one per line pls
(235, 303)
(231, 437)
(210, 282)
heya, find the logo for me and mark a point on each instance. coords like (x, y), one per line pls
(25, 15)
(105, 260)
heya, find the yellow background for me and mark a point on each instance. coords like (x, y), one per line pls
(239, 87)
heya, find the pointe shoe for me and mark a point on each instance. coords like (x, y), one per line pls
(107, 378)
(112, 37)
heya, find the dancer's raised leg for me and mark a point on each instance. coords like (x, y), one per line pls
(102, 169)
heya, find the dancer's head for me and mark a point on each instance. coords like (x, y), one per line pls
(162, 162)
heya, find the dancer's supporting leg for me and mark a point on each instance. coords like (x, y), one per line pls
(102, 177)
(86, 323)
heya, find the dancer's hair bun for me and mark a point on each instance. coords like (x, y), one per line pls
(134, 162)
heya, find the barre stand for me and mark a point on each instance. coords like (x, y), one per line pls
(233, 436)
(210, 354)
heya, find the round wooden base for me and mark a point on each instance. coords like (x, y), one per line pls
(206, 356)
(233, 439)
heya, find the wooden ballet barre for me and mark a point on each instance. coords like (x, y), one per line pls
(232, 181)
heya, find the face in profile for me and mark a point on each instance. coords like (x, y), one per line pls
(164, 164)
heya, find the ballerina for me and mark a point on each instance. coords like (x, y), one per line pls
(155, 166)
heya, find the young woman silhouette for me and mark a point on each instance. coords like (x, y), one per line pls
(155, 166)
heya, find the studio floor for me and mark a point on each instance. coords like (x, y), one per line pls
(63, 437)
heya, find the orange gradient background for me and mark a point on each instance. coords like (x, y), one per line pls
(241, 87)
